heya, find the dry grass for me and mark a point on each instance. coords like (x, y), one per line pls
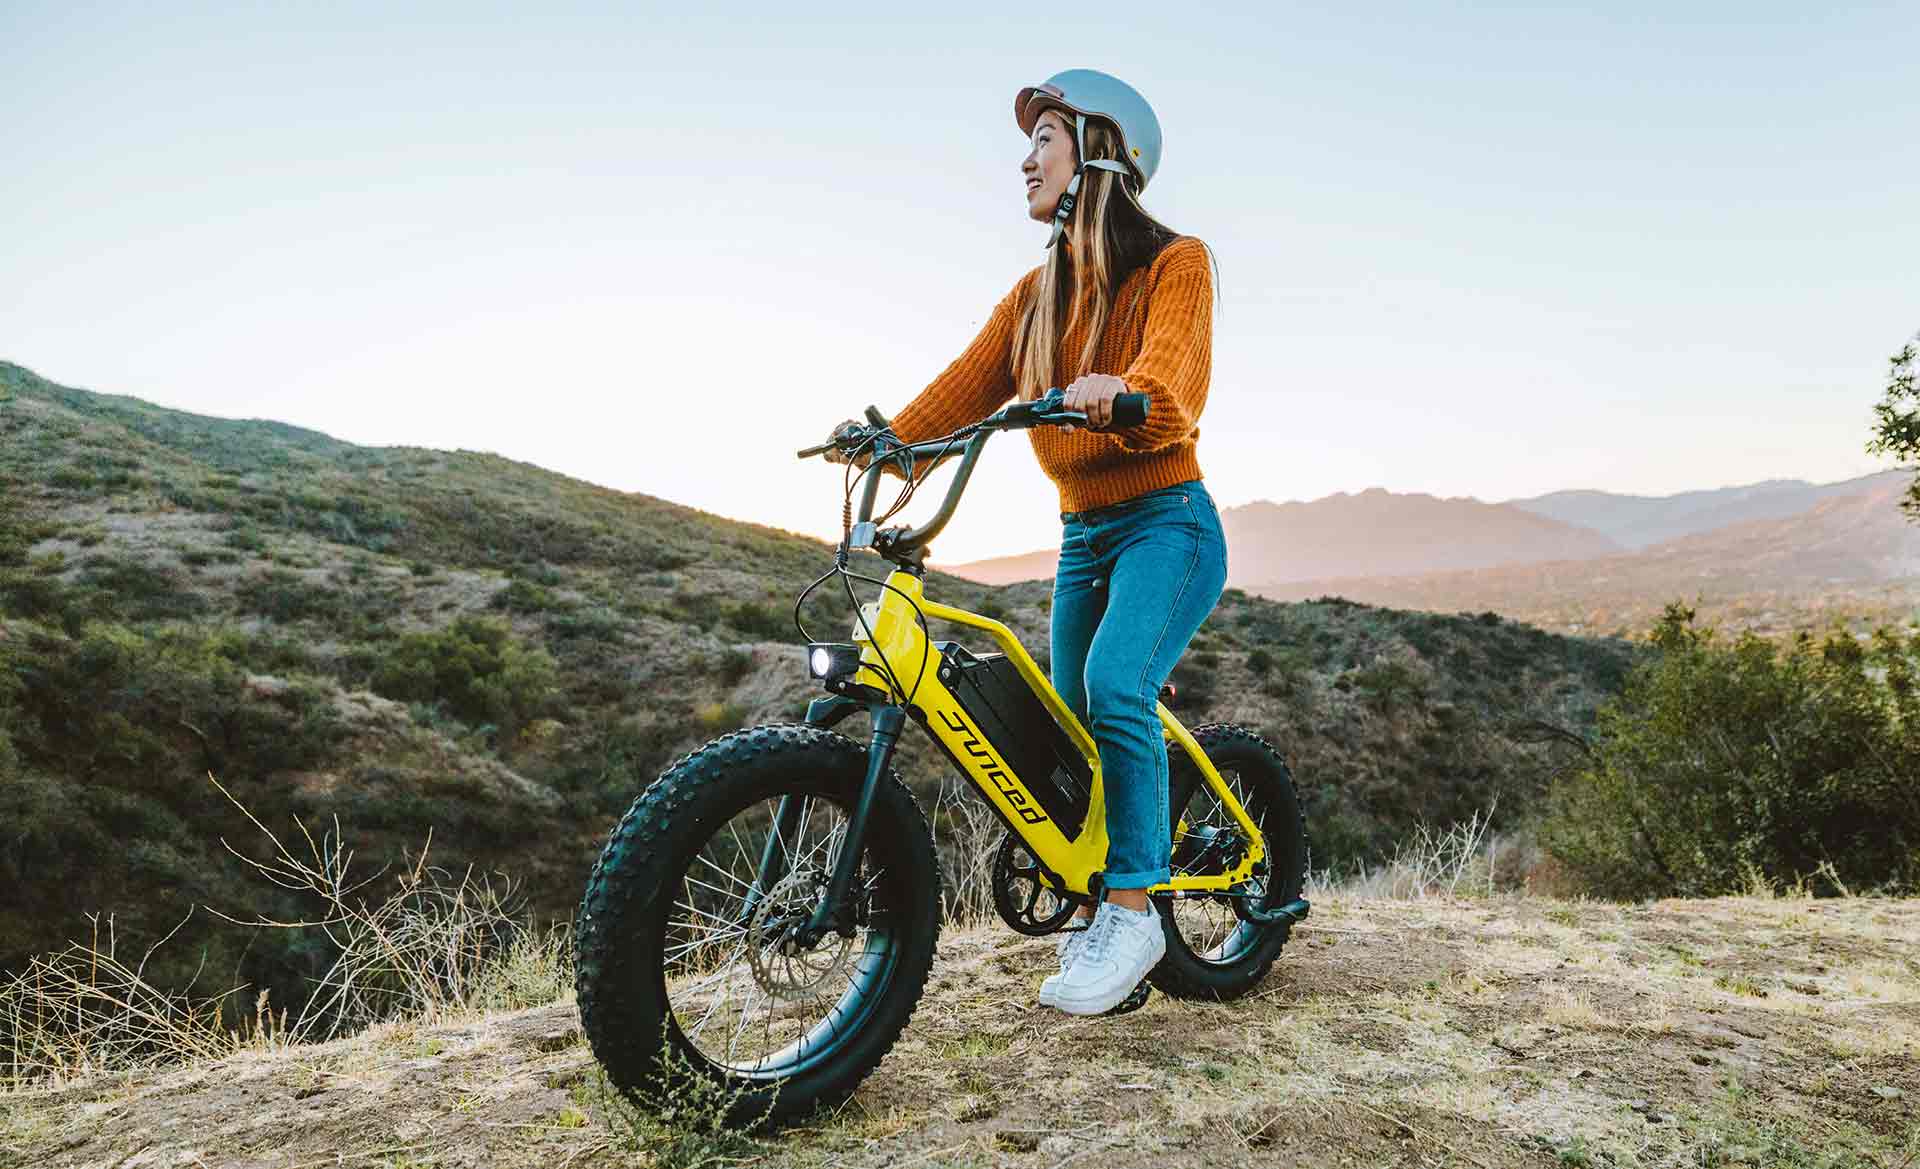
(967, 833)
(1460, 860)
(83, 1011)
(1492, 1032)
(430, 948)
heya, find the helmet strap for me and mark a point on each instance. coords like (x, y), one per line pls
(1072, 193)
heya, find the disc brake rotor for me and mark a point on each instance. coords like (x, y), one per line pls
(803, 973)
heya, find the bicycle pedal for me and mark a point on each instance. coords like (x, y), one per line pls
(1136, 998)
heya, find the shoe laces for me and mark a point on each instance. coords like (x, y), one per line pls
(1106, 920)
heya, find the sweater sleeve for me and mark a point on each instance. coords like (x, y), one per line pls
(1176, 354)
(975, 385)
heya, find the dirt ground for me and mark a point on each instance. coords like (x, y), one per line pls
(1487, 1032)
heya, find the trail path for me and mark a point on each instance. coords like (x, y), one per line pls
(1466, 1033)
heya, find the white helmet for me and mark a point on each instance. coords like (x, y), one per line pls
(1090, 93)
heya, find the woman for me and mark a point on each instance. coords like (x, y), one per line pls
(1122, 304)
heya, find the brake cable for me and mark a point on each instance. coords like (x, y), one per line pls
(910, 485)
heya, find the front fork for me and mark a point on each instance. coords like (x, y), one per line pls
(888, 722)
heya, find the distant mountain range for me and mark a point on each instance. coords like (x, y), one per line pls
(1573, 558)
(1641, 520)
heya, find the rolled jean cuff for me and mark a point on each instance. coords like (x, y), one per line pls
(1136, 880)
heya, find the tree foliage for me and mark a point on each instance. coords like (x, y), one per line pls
(1896, 429)
(1800, 763)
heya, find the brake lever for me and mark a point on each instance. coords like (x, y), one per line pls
(850, 441)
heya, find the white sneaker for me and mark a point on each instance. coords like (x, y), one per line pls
(1121, 947)
(1073, 939)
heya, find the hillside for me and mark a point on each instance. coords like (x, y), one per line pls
(453, 643)
(1491, 1033)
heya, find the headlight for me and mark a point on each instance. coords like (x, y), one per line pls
(828, 660)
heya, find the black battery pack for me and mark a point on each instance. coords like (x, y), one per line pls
(1016, 724)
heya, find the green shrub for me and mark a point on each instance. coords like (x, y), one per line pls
(762, 621)
(245, 538)
(1799, 763)
(133, 590)
(595, 625)
(704, 610)
(1260, 661)
(476, 669)
(521, 596)
(15, 535)
(1387, 684)
(201, 557)
(734, 665)
(288, 596)
(115, 702)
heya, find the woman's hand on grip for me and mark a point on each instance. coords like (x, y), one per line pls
(840, 432)
(1092, 394)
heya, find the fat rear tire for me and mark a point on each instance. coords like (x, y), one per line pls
(1206, 966)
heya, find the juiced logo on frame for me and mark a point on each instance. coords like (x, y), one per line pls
(996, 775)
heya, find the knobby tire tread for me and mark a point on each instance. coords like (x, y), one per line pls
(629, 875)
(1189, 978)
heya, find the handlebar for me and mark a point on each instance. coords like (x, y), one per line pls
(1129, 410)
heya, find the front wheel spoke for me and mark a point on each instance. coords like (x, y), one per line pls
(721, 972)
(718, 998)
(733, 1041)
(723, 922)
(714, 889)
(748, 1004)
(712, 939)
(747, 885)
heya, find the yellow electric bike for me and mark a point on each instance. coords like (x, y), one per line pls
(765, 913)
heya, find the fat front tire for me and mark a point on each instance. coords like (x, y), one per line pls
(1212, 952)
(681, 976)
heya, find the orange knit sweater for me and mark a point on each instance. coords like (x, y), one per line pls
(1159, 340)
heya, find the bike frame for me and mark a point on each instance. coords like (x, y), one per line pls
(898, 636)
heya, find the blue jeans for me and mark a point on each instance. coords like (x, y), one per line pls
(1135, 581)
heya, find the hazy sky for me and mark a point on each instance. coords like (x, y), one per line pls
(1470, 250)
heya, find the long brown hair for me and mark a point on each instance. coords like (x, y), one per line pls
(1111, 235)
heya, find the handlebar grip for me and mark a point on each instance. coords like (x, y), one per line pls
(811, 451)
(875, 417)
(1129, 410)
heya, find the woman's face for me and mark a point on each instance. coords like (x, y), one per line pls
(1048, 167)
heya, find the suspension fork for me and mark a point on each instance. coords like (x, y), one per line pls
(888, 722)
(828, 711)
(786, 825)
